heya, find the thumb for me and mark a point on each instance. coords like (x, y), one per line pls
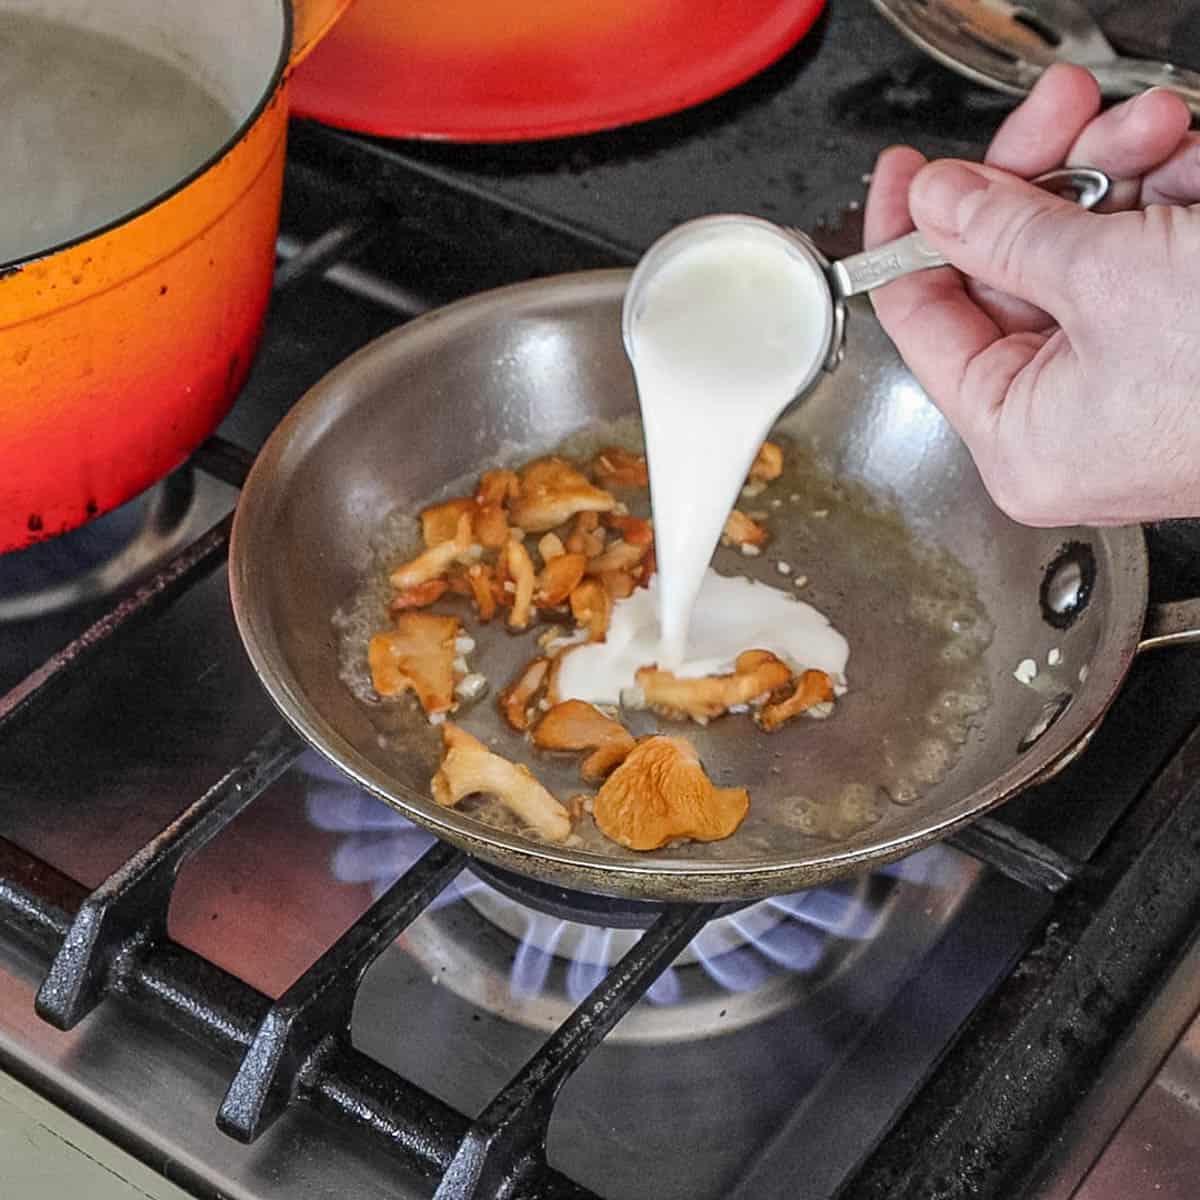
(1000, 230)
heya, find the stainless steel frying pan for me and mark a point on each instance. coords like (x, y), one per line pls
(888, 493)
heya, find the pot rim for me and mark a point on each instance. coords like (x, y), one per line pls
(13, 265)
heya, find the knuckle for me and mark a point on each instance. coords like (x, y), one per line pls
(1027, 494)
(1022, 239)
(1029, 244)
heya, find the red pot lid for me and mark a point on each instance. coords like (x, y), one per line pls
(512, 70)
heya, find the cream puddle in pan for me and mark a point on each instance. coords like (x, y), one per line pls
(730, 615)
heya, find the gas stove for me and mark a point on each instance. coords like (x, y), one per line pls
(265, 984)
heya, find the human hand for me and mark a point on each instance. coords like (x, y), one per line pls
(1068, 358)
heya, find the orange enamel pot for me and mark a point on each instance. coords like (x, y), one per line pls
(121, 350)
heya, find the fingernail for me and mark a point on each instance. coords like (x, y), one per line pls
(944, 195)
(1127, 108)
(1124, 110)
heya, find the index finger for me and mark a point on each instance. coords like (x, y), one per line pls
(1038, 134)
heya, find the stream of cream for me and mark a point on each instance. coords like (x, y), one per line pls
(723, 334)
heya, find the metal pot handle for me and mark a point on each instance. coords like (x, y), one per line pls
(1176, 623)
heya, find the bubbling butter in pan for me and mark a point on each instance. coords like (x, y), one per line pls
(722, 333)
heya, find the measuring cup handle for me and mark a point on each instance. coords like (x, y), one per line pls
(873, 268)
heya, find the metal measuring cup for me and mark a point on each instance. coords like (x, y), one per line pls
(844, 278)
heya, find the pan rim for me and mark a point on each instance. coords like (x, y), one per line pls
(678, 878)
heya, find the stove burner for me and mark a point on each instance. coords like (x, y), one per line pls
(103, 557)
(585, 908)
(599, 942)
(530, 952)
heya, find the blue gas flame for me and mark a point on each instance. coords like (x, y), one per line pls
(377, 845)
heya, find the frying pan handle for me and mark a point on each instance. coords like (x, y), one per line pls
(1176, 623)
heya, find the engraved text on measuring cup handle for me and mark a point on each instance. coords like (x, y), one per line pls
(873, 268)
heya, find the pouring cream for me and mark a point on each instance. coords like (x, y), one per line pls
(724, 326)
(726, 321)
(731, 615)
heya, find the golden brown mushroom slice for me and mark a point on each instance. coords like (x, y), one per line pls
(768, 463)
(469, 768)
(518, 567)
(421, 596)
(661, 793)
(618, 584)
(558, 579)
(620, 556)
(812, 695)
(591, 606)
(584, 536)
(439, 522)
(418, 654)
(552, 492)
(743, 531)
(577, 725)
(491, 526)
(637, 531)
(480, 581)
(497, 487)
(756, 673)
(438, 559)
(516, 699)
(614, 467)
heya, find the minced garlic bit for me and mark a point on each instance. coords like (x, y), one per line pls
(471, 687)
(750, 550)
(800, 581)
(1054, 657)
(1026, 671)
(783, 568)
